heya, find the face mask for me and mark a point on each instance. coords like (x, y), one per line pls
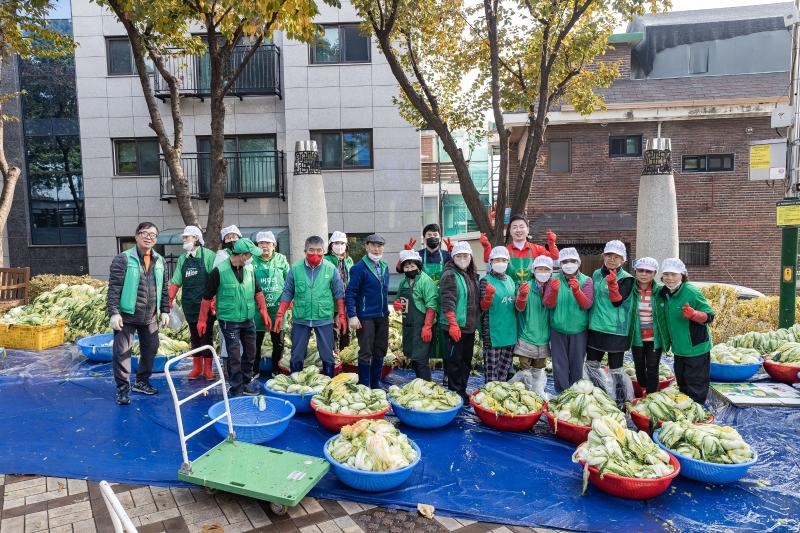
(542, 277)
(569, 268)
(462, 263)
(339, 249)
(188, 246)
(314, 259)
(432, 242)
(248, 261)
(674, 287)
(375, 257)
(228, 245)
(411, 274)
(500, 268)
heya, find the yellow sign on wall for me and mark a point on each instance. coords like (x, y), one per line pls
(788, 212)
(760, 156)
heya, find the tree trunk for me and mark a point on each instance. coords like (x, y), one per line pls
(219, 165)
(10, 178)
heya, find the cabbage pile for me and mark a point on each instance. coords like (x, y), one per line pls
(706, 442)
(344, 395)
(307, 381)
(421, 395)
(729, 355)
(373, 446)
(508, 398)
(582, 403)
(664, 370)
(787, 354)
(670, 405)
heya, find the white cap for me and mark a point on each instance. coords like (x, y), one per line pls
(229, 229)
(569, 253)
(499, 252)
(674, 265)
(409, 255)
(193, 231)
(646, 263)
(339, 236)
(543, 261)
(616, 247)
(461, 247)
(265, 236)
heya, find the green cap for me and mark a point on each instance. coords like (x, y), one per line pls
(246, 246)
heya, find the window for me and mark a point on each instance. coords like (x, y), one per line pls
(136, 157)
(698, 58)
(707, 163)
(560, 157)
(343, 43)
(344, 149)
(625, 146)
(120, 58)
(695, 253)
(252, 164)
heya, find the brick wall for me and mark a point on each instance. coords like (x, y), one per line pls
(620, 52)
(737, 216)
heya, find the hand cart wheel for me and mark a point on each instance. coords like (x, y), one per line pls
(278, 509)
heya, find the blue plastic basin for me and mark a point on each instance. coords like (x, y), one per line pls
(370, 481)
(705, 471)
(265, 365)
(90, 346)
(735, 373)
(301, 402)
(425, 419)
(251, 424)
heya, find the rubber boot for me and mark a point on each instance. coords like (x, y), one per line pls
(208, 369)
(363, 374)
(375, 375)
(197, 368)
(327, 369)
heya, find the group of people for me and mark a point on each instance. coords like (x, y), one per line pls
(524, 306)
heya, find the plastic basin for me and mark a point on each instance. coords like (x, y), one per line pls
(723, 372)
(265, 365)
(92, 349)
(385, 371)
(633, 488)
(565, 430)
(251, 424)
(371, 481)
(705, 471)
(783, 373)
(643, 422)
(425, 419)
(504, 422)
(640, 391)
(159, 363)
(335, 421)
(301, 402)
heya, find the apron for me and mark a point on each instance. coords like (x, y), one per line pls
(519, 268)
(434, 270)
(413, 346)
(195, 279)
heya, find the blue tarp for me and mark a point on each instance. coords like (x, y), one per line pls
(58, 418)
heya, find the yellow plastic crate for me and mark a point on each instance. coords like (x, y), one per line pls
(25, 337)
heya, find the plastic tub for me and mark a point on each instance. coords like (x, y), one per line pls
(566, 431)
(735, 373)
(640, 391)
(705, 471)
(783, 373)
(92, 347)
(643, 422)
(425, 419)
(159, 363)
(371, 481)
(335, 421)
(633, 488)
(504, 422)
(251, 424)
(301, 402)
(385, 371)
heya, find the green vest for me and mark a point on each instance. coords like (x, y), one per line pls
(604, 316)
(130, 286)
(533, 324)
(234, 299)
(678, 330)
(461, 301)
(271, 276)
(502, 317)
(568, 318)
(313, 301)
(434, 270)
(348, 264)
(424, 294)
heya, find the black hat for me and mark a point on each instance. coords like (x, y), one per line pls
(376, 239)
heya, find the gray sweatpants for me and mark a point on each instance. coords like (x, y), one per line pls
(121, 351)
(568, 353)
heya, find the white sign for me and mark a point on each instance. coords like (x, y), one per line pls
(782, 116)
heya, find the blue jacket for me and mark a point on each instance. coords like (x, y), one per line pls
(367, 293)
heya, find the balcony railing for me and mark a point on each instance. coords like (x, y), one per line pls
(434, 172)
(250, 175)
(260, 77)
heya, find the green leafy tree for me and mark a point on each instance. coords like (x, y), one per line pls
(522, 55)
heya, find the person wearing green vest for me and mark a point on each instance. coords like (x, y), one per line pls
(498, 293)
(646, 339)
(459, 316)
(569, 297)
(521, 251)
(533, 328)
(229, 235)
(137, 292)
(684, 314)
(233, 282)
(317, 292)
(610, 323)
(418, 300)
(337, 255)
(191, 275)
(271, 269)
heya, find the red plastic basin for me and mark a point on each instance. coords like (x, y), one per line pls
(639, 391)
(335, 422)
(566, 431)
(643, 422)
(504, 422)
(782, 373)
(632, 488)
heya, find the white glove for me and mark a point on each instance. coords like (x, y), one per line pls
(354, 323)
(116, 322)
(164, 320)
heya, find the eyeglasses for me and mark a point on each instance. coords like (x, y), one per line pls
(148, 234)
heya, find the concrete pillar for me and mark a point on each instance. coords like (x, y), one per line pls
(308, 213)
(657, 212)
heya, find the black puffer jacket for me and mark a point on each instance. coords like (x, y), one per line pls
(147, 301)
(448, 291)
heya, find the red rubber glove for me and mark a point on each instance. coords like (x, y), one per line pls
(487, 247)
(410, 244)
(202, 318)
(449, 244)
(488, 297)
(582, 299)
(613, 287)
(552, 248)
(278, 324)
(695, 316)
(261, 302)
(342, 316)
(454, 330)
(398, 305)
(173, 292)
(551, 237)
(427, 327)
(214, 306)
(522, 296)
(552, 295)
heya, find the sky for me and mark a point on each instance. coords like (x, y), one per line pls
(688, 5)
